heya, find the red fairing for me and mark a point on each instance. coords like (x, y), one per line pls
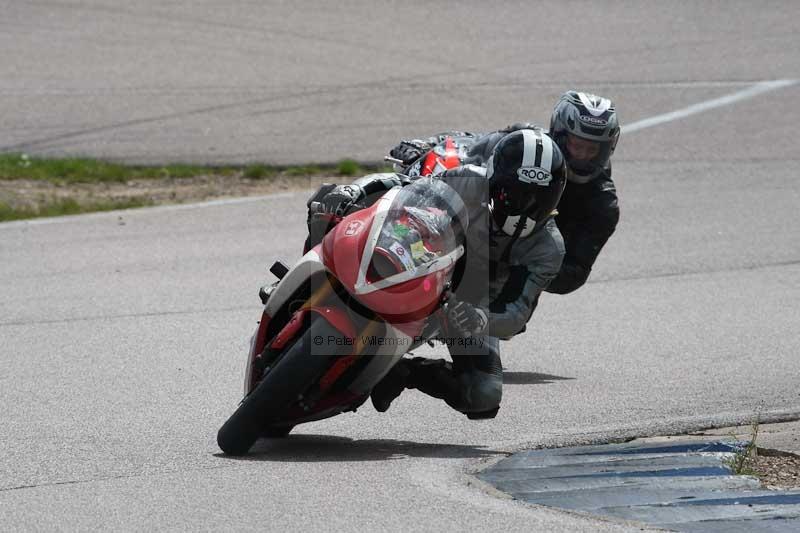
(435, 163)
(430, 164)
(336, 316)
(451, 159)
(289, 331)
(261, 336)
(413, 300)
(350, 237)
(256, 349)
(410, 301)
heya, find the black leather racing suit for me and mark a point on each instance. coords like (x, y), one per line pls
(587, 216)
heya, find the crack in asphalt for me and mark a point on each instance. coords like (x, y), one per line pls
(388, 84)
(183, 90)
(127, 315)
(110, 478)
(167, 18)
(776, 264)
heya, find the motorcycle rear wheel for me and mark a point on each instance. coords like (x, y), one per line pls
(297, 369)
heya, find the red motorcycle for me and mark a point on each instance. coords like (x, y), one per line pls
(450, 151)
(348, 311)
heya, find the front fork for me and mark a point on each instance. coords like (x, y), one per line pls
(319, 302)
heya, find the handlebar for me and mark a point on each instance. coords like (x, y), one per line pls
(315, 208)
(317, 211)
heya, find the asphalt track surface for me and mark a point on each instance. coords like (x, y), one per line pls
(123, 334)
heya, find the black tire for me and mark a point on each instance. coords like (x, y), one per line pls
(297, 369)
(276, 432)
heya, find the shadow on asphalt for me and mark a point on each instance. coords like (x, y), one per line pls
(323, 448)
(530, 378)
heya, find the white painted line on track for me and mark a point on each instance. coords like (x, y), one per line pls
(750, 92)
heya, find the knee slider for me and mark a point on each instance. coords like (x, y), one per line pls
(484, 415)
(481, 391)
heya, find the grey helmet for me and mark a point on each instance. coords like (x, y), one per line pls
(589, 117)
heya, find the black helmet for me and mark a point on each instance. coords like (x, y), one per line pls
(526, 175)
(583, 121)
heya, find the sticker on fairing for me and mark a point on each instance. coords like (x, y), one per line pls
(418, 250)
(353, 227)
(401, 230)
(402, 254)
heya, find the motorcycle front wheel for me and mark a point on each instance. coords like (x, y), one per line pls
(300, 366)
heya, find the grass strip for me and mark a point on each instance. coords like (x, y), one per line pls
(67, 206)
(69, 186)
(65, 171)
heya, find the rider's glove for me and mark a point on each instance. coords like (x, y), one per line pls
(409, 151)
(468, 319)
(341, 199)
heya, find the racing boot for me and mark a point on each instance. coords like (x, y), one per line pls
(476, 392)
(433, 377)
(391, 386)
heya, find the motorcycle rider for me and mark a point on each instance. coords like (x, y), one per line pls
(513, 251)
(586, 128)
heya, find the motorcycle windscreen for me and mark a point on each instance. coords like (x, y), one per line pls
(419, 232)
